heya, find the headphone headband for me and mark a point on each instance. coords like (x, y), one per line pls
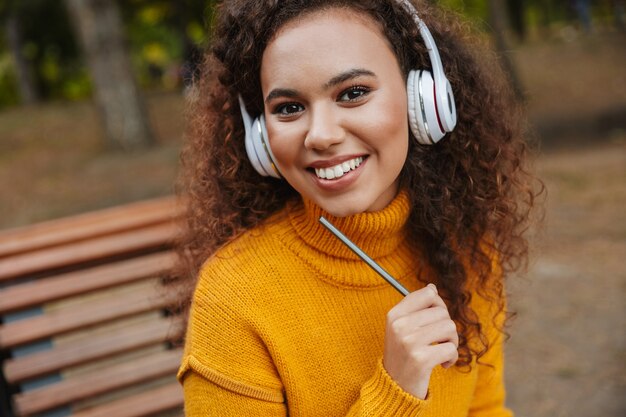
(431, 108)
(443, 91)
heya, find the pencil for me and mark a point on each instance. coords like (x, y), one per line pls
(391, 280)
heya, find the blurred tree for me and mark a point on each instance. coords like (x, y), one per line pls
(192, 54)
(496, 13)
(48, 50)
(499, 27)
(171, 33)
(166, 37)
(23, 69)
(99, 28)
(517, 18)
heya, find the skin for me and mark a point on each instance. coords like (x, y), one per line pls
(328, 101)
(419, 335)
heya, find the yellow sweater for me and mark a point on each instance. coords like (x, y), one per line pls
(286, 321)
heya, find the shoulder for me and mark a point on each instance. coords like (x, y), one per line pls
(224, 341)
(246, 264)
(231, 286)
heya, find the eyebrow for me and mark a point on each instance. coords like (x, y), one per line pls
(337, 79)
(348, 75)
(280, 92)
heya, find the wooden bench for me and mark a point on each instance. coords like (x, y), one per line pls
(84, 329)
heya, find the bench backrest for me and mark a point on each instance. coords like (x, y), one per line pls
(83, 324)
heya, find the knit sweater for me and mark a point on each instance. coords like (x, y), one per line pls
(287, 321)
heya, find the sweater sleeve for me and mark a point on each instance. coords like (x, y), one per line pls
(204, 398)
(226, 369)
(381, 396)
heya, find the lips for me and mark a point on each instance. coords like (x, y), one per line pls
(338, 170)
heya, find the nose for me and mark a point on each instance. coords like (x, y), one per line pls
(325, 129)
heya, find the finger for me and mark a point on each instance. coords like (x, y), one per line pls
(455, 357)
(449, 363)
(417, 300)
(444, 331)
(416, 319)
(440, 354)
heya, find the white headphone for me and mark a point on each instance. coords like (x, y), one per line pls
(431, 109)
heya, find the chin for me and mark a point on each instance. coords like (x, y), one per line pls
(342, 211)
(345, 208)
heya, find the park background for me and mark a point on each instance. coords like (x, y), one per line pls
(567, 352)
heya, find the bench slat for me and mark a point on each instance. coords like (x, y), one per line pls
(115, 342)
(88, 225)
(147, 403)
(78, 317)
(79, 282)
(98, 382)
(85, 251)
(96, 275)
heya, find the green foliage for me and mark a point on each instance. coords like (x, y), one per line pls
(163, 34)
(160, 33)
(473, 9)
(154, 46)
(8, 84)
(48, 46)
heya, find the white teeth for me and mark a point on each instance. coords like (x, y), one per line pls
(338, 170)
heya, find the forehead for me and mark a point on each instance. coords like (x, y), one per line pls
(332, 13)
(332, 38)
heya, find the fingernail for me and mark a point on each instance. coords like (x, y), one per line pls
(433, 286)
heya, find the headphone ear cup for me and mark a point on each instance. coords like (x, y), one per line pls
(415, 112)
(250, 129)
(263, 149)
(447, 108)
(259, 154)
(256, 156)
(423, 118)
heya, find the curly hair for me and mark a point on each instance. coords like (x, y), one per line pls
(471, 194)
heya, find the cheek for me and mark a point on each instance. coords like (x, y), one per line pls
(391, 105)
(284, 144)
(388, 123)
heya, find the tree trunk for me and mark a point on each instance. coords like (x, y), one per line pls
(25, 80)
(517, 18)
(499, 24)
(99, 28)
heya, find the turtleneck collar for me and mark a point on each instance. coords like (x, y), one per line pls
(377, 233)
(380, 234)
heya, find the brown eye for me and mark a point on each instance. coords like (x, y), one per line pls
(353, 93)
(288, 109)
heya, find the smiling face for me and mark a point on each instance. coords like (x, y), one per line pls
(336, 110)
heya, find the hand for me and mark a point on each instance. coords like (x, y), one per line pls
(419, 336)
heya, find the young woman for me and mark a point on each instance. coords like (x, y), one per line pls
(285, 319)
